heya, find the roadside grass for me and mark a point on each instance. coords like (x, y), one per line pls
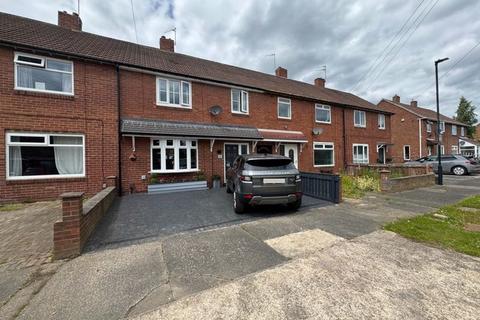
(449, 232)
(11, 207)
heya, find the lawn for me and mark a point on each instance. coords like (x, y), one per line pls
(448, 233)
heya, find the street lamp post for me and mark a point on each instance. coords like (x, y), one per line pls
(439, 147)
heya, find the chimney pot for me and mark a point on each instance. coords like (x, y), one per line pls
(167, 44)
(396, 98)
(69, 21)
(319, 82)
(281, 72)
(413, 103)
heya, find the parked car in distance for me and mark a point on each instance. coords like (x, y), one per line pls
(258, 179)
(451, 163)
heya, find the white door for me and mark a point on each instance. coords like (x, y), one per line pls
(291, 151)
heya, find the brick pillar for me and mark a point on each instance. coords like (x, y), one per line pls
(66, 233)
(111, 181)
(384, 185)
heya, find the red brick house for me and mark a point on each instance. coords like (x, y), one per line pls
(414, 131)
(78, 108)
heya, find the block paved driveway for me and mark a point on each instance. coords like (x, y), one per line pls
(141, 216)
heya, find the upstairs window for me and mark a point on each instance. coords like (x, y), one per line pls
(174, 93)
(454, 130)
(284, 108)
(239, 101)
(359, 119)
(381, 121)
(462, 131)
(429, 127)
(36, 73)
(323, 113)
(442, 126)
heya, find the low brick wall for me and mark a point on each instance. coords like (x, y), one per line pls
(405, 183)
(79, 221)
(397, 169)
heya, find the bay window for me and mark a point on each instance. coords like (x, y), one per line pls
(45, 155)
(239, 101)
(174, 93)
(323, 113)
(360, 153)
(37, 73)
(323, 154)
(174, 155)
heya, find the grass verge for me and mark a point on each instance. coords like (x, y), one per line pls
(448, 232)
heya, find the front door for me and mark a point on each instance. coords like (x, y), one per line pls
(381, 154)
(232, 151)
(291, 151)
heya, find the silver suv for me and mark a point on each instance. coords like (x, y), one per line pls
(258, 179)
(451, 163)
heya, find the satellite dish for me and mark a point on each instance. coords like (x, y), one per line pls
(215, 110)
(317, 131)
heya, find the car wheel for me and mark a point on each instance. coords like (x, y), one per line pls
(459, 171)
(238, 205)
(295, 205)
(229, 190)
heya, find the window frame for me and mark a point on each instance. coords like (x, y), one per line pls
(289, 117)
(409, 152)
(442, 124)
(367, 153)
(315, 144)
(429, 127)
(43, 66)
(364, 125)
(462, 131)
(384, 126)
(167, 103)
(456, 130)
(319, 106)
(46, 143)
(241, 102)
(176, 147)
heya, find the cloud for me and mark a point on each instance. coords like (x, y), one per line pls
(347, 36)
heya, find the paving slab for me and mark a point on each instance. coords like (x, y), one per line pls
(271, 228)
(377, 276)
(13, 280)
(303, 243)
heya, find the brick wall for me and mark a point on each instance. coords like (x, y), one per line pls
(92, 111)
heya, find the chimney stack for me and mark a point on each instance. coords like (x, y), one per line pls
(167, 44)
(319, 82)
(281, 72)
(69, 21)
(413, 103)
(396, 98)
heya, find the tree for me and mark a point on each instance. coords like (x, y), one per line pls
(466, 114)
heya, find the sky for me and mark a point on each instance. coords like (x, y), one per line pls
(372, 48)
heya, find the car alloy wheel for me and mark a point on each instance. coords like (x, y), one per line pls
(459, 171)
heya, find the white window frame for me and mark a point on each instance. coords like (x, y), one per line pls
(43, 65)
(442, 127)
(456, 149)
(328, 108)
(318, 144)
(462, 131)
(429, 127)
(409, 152)
(363, 145)
(454, 132)
(176, 146)
(382, 124)
(285, 101)
(360, 125)
(442, 149)
(46, 143)
(243, 103)
(167, 103)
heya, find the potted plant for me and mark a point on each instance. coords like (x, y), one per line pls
(216, 181)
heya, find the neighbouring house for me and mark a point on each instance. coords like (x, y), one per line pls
(414, 131)
(77, 108)
(469, 147)
(476, 133)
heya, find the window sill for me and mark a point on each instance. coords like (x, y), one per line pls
(44, 179)
(177, 106)
(41, 94)
(174, 171)
(284, 118)
(240, 114)
(323, 165)
(322, 122)
(361, 127)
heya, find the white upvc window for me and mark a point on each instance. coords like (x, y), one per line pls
(323, 113)
(442, 149)
(429, 126)
(239, 101)
(454, 130)
(43, 74)
(406, 152)
(359, 119)
(323, 154)
(284, 108)
(381, 121)
(174, 93)
(442, 126)
(462, 131)
(360, 153)
(44, 155)
(173, 155)
(454, 149)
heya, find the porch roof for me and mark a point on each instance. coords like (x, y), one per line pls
(283, 135)
(188, 129)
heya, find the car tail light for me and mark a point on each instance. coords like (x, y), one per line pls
(248, 196)
(245, 178)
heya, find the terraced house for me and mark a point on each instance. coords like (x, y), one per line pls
(77, 108)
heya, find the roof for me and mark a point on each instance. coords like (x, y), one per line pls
(32, 34)
(282, 135)
(187, 129)
(424, 112)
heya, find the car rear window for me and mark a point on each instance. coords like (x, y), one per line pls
(269, 164)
